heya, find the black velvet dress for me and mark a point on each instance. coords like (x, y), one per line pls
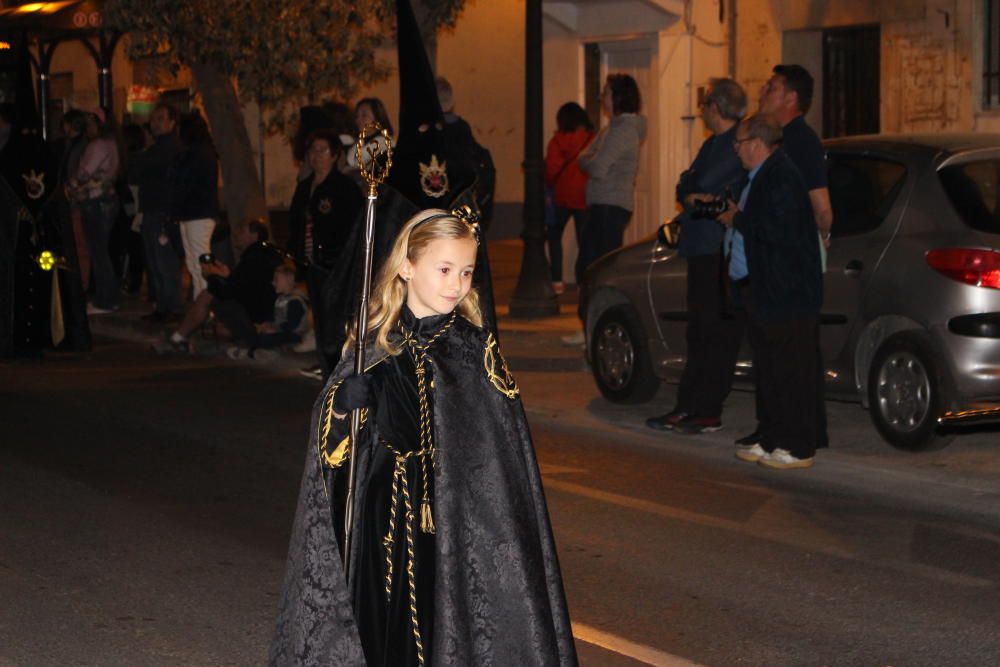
(386, 620)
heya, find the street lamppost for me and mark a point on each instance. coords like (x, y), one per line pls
(533, 296)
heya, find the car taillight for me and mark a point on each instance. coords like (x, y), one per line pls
(971, 266)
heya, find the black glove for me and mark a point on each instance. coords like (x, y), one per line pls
(353, 393)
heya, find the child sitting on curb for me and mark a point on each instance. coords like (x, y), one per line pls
(290, 322)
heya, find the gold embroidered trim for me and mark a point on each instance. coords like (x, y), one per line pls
(342, 452)
(497, 370)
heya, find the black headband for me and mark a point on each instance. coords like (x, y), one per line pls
(463, 213)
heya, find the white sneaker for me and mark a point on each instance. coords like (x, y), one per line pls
(751, 453)
(236, 352)
(782, 459)
(574, 339)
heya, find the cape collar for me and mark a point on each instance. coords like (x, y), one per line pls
(422, 328)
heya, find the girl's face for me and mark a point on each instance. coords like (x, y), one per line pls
(321, 156)
(363, 116)
(440, 277)
(607, 101)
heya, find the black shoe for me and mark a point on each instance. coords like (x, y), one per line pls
(698, 425)
(156, 317)
(666, 422)
(749, 440)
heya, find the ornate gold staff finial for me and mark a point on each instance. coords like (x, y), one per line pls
(374, 155)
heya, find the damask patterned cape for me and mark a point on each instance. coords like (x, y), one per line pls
(499, 596)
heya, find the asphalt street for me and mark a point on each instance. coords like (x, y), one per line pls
(146, 502)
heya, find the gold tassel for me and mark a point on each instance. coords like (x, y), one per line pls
(426, 517)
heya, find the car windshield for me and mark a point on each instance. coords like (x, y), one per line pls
(862, 191)
(972, 188)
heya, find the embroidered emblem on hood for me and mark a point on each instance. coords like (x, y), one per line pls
(34, 184)
(434, 178)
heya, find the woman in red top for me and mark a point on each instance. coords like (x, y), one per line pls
(567, 181)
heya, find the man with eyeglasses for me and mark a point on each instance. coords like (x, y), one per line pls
(712, 339)
(775, 263)
(788, 95)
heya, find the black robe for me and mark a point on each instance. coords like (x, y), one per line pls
(494, 595)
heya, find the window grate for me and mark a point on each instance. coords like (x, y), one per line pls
(991, 56)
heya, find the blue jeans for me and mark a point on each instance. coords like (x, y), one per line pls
(163, 265)
(98, 219)
(603, 232)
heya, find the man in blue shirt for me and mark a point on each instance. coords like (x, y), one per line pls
(781, 257)
(712, 339)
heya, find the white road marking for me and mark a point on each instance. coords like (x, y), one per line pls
(644, 654)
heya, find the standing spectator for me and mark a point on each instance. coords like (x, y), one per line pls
(93, 187)
(775, 219)
(713, 339)
(74, 127)
(194, 194)
(787, 95)
(367, 110)
(149, 170)
(241, 297)
(455, 127)
(611, 161)
(324, 209)
(568, 183)
(372, 110)
(127, 252)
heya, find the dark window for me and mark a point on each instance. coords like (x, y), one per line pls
(991, 55)
(851, 81)
(972, 188)
(862, 191)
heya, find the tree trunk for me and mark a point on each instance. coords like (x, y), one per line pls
(243, 194)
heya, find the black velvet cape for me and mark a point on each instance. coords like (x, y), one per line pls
(498, 596)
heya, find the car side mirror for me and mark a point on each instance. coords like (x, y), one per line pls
(669, 233)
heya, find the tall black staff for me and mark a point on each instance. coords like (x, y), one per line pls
(374, 155)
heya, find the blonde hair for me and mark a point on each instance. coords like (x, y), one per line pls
(389, 290)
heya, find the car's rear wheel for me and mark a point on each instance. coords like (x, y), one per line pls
(620, 357)
(906, 393)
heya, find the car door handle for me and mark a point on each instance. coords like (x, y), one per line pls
(854, 268)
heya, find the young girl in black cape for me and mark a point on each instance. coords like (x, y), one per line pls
(453, 561)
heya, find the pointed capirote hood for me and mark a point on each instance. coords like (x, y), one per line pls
(418, 100)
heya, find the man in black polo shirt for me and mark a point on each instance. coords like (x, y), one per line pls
(712, 339)
(787, 96)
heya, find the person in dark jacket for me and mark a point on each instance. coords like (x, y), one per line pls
(194, 194)
(240, 297)
(149, 170)
(324, 210)
(776, 229)
(713, 336)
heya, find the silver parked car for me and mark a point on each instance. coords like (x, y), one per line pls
(910, 324)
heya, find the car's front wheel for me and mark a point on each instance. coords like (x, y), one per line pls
(906, 393)
(620, 357)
